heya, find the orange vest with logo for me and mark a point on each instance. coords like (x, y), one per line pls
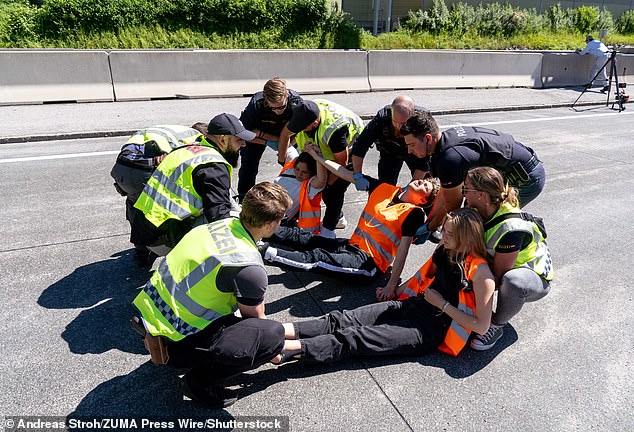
(309, 216)
(378, 232)
(457, 335)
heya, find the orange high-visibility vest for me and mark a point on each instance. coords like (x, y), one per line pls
(309, 216)
(379, 232)
(457, 335)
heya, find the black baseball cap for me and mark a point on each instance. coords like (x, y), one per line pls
(227, 124)
(303, 115)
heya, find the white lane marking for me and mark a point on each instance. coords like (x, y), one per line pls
(531, 120)
(60, 156)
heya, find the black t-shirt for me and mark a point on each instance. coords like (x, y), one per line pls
(513, 241)
(414, 220)
(465, 147)
(338, 141)
(379, 131)
(247, 283)
(257, 116)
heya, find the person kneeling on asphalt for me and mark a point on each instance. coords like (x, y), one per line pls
(436, 318)
(138, 159)
(304, 179)
(381, 240)
(515, 242)
(191, 186)
(188, 305)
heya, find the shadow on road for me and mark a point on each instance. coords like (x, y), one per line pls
(105, 291)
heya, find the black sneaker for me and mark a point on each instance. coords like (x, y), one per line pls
(144, 258)
(215, 397)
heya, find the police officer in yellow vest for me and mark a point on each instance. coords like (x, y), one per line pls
(190, 182)
(190, 300)
(138, 158)
(334, 129)
(522, 264)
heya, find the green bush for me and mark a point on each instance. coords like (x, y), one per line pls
(560, 19)
(338, 31)
(586, 18)
(22, 24)
(605, 20)
(625, 23)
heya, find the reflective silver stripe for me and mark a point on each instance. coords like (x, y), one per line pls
(462, 332)
(383, 229)
(312, 214)
(385, 254)
(169, 137)
(171, 185)
(168, 204)
(409, 292)
(181, 135)
(179, 325)
(335, 125)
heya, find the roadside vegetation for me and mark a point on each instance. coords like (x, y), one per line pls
(302, 24)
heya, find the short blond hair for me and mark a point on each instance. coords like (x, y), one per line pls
(264, 203)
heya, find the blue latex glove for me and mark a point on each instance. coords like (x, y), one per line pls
(421, 235)
(272, 144)
(361, 183)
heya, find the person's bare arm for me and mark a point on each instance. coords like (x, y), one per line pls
(283, 143)
(483, 287)
(387, 292)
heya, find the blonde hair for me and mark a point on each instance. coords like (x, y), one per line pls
(264, 203)
(275, 90)
(468, 234)
(490, 181)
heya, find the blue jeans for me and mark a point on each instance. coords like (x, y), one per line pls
(531, 189)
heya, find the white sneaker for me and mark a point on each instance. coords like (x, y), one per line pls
(326, 233)
(342, 223)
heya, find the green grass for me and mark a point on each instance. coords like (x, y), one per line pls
(160, 38)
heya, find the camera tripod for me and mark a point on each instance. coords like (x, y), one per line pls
(620, 97)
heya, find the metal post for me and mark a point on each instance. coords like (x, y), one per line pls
(375, 27)
(389, 16)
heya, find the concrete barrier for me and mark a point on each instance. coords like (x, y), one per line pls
(402, 69)
(37, 76)
(565, 68)
(202, 73)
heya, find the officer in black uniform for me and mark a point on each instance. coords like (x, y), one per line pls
(266, 114)
(384, 130)
(456, 150)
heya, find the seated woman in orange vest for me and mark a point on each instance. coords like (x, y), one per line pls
(441, 316)
(381, 240)
(304, 179)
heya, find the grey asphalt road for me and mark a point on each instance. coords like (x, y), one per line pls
(564, 363)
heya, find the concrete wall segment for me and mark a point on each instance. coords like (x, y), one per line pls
(37, 76)
(202, 73)
(565, 68)
(403, 69)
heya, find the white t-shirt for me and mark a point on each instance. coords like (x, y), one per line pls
(595, 48)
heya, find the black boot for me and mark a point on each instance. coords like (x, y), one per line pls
(214, 397)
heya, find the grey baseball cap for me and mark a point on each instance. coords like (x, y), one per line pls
(228, 124)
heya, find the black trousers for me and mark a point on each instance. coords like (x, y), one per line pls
(227, 347)
(390, 167)
(333, 196)
(131, 181)
(389, 328)
(250, 156)
(311, 252)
